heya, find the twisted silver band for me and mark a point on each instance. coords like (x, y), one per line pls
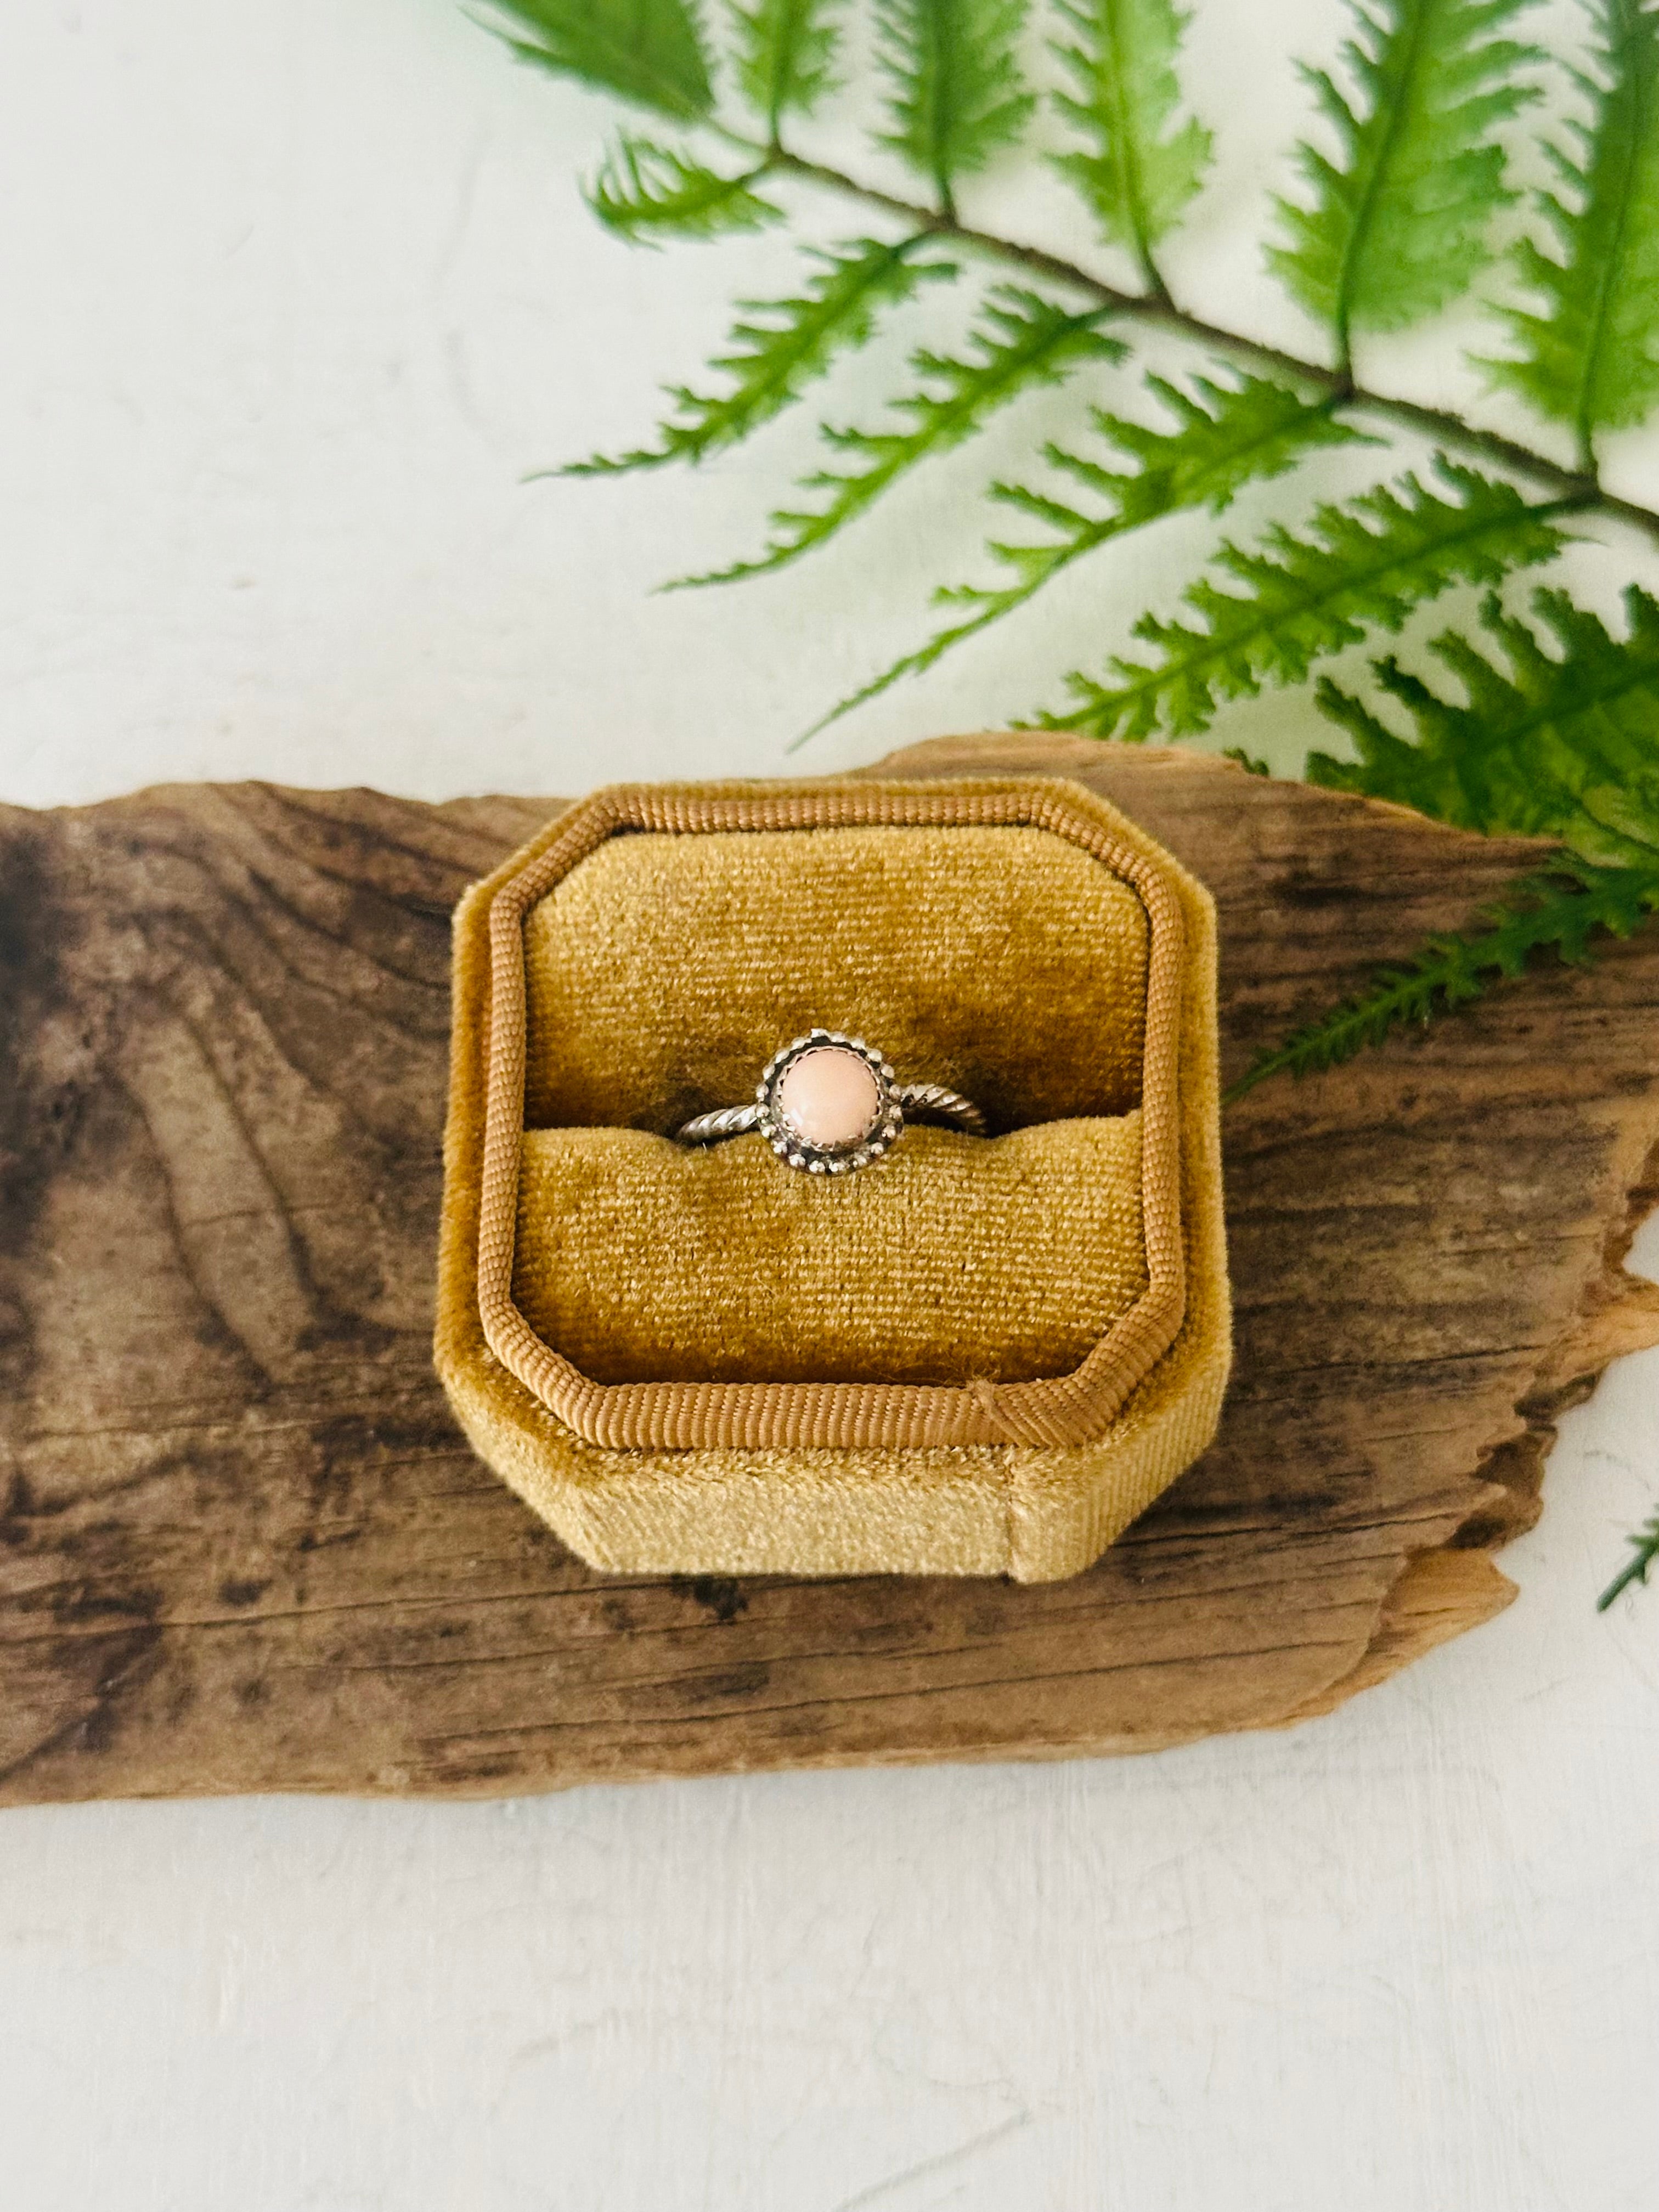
(929, 1102)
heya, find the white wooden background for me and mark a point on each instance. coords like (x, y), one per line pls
(293, 295)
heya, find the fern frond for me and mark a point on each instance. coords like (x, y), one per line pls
(1561, 908)
(1146, 165)
(1396, 226)
(644, 189)
(648, 53)
(782, 347)
(958, 94)
(1591, 357)
(1022, 341)
(1358, 567)
(1225, 435)
(1564, 747)
(786, 55)
(1644, 1545)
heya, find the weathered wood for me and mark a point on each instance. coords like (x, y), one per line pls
(242, 1547)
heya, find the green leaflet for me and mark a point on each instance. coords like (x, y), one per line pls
(1645, 1549)
(1022, 340)
(1397, 224)
(771, 359)
(1143, 171)
(1562, 908)
(958, 94)
(785, 54)
(1361, 566)
(1564, 747)
(646, 51)
(644, 190)
(1228, 435)
(1591, 357)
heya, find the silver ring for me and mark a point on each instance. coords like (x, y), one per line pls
(839, 1113)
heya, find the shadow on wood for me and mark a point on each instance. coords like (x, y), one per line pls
(242, 1546)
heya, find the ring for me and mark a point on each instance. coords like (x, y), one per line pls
(829, 1103)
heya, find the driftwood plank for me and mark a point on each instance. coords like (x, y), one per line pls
(242, 1546)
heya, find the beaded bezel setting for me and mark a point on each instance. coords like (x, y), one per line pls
(879, 1135)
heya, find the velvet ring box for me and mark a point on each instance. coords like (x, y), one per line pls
(974, 1356)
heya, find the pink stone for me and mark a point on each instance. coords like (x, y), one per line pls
(829, 1097)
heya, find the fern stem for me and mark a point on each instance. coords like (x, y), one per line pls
(1156, 287)
(1393, 116)
(1157, 308)
(1584, 421)
(935, 31)
(1123, 140)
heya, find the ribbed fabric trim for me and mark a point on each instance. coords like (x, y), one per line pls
(1062, 1410)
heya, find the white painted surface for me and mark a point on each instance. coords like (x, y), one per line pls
(293, 297)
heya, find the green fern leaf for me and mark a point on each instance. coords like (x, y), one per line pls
(1645, 1548)
(1145, 166)
(1397, 224)
(1562, 908)
(786, 344)
(958, 94)
(786, 55)
(645, 190)
(1021, 341)
(1561, 746)
(1228, 435)
(1363, 566)
(1591, 357)
(1564, 747)
(648, 53)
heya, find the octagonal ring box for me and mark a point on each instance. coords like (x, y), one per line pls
(976, 1355)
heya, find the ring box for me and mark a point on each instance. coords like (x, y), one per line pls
(975, 1355)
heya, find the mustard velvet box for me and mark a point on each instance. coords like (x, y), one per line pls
(975, 1355)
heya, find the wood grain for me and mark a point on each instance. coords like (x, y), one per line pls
(242, 1546)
